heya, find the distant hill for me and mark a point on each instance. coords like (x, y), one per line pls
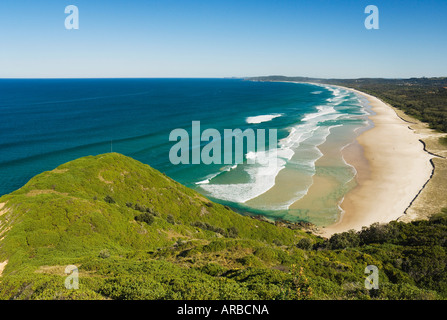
(283, 78)
(136, 234)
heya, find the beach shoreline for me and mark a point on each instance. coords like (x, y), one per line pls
(395, 169)
(392, 168)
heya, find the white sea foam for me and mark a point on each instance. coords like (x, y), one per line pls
(203, 181)
(262, 118)
(263, 175)
(262, 178)
(322, 110)
(209, 178)
(354, 170)
(212, 176)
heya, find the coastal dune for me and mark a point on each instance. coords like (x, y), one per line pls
(392, 167)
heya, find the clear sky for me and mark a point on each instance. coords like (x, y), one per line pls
(225, 38)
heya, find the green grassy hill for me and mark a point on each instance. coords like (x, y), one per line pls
(136, 234)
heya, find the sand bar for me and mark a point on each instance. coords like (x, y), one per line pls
(392, 168)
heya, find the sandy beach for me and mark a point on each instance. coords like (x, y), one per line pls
(392, 167)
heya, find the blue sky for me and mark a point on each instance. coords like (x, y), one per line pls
(210, 38)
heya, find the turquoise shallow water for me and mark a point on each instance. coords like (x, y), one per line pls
(45, 123)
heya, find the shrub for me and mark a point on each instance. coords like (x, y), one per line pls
(344, 240)
(198, 224)
(250, 261)
(145, 217)
(206, 226)
(109, 199)
(232, 232)
(214, 246)
(213, 269)
(440, 218)
(378, 233)
(104, 254)
(179, 243)
(141, 208)
(277, 242)
(305, 244)
(266, 254)
(170, 219)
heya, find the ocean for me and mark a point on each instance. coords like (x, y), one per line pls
(47, 122)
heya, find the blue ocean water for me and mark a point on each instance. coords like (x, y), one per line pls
(47, 122)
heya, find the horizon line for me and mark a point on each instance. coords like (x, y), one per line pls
(227, 77)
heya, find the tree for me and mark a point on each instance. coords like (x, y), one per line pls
(305, 244)
(146, 218)
(109, 199)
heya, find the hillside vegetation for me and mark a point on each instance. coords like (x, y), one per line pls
(134, 233)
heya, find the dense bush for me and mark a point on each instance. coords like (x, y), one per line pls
(250, 261)
(145, 217)
(109, 199)
(104, 254)
(305, 243)
(170, 219)
(344, 240)
(141, 208)
(207, 226)
(232, 232)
